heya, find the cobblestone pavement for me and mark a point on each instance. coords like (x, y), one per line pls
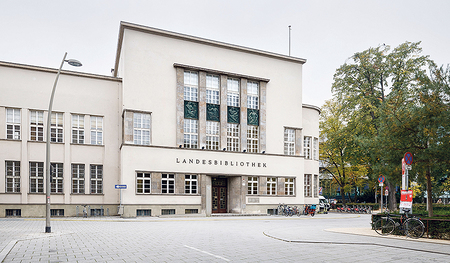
(323, 238)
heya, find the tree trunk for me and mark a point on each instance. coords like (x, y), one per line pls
(429, 194)
(341, 190)
(391, 197)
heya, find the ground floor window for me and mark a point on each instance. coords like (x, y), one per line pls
(252, 185)
(97, 212)
(167, 211)
(143, 183)
(143, 212)
(271, 186)
(13, 212)
(168, 184)
(12, 176)
(57, 212)
(190, 184)
(307, 184)
(96, 179)
(289, 186)
(191, 211)
(57, 177)
(316, 185)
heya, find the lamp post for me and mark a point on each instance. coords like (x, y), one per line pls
(74, 63)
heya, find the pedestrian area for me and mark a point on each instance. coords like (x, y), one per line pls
(322, 238)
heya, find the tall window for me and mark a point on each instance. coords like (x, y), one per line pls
(168, 184)
(232, 137)
(212, 89)
(307, 147)
(143, 183)
(190, 184)
(96, 179)
(307, 184)
(233, 92)
(316, 149)
(13, 124)
(316, 185)
(289, 141)
(57, 177)
(141, 128)
(252, 138)
(77, 128)
(190, 86)
(190, 133)
(252, 185)
(57, 129)
(252, 95)
(97, 130)
(12, 176)
(271, 186)
(212, 135)
(289, 186)
(78, 172)
(36, 177)
(37, 126)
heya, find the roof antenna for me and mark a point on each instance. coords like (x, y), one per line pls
(289, 40)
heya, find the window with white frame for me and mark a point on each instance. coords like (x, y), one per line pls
(232, 137)
(271, 185)
(57, 177)
(289, 186)
(252, 185)
(97, 130)
(36, 177)
(307, 147)
(190, 133)
(252, 138)
(77, 128)
(190, 184)
(190, 86)
(78, 171)
(36, 125)
(141, 128)
(316, 149)
(96, 179)
(289, 141)
(212, 135)
(212, 89)
(57, 127)
(307, 184)
(316, 185)
(12, 174)
(252, 95)
(13, 124)
(233, 92)
(168, 183)
(143, 183)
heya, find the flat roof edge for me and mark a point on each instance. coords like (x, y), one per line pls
(309, 106)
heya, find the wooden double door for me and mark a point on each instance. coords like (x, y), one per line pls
(219, 195)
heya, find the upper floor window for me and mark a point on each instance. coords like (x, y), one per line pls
(316, 185)
(168, 184)
(307, 184)
(252, 95)
(37, 125)
(141, 128)
(77, 128)
(96, 179)
(78, 171)
(13, 124)
(271, 185)
(97, 130)
(36, 177)
(57, 177)
(233, 92)
(316, 149)
(289, 186)
(190, 133)
(57, 129)
(252, 185)
(307, 147)
(212, 89)
(252, 139)
(12, 176)
(143, 183)
(212, 135)
(233, 137)
(190, 86)
(289, 141)
(190, 184)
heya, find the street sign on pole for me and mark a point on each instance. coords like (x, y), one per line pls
(120, 186)
(381, 179)
(406, 199)
(408, 158)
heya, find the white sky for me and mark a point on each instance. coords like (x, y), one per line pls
(325, 32)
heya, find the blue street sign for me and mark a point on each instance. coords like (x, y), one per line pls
(408, 158)
(381, 179)
(120, 186)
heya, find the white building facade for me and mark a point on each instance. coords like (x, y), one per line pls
(189, 125)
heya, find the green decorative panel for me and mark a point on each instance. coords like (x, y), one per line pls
(190, 110)
(212, 112)
(233, 114)
(253, 117)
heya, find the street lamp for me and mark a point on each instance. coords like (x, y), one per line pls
(75, 63)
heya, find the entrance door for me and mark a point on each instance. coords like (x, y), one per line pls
(219, 195)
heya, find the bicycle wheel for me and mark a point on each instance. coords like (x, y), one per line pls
(414, 228)
(384, 226)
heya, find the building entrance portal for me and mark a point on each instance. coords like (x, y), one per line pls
(219, 195)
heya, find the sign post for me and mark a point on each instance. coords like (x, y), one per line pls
(406, 166)
(381, 181)
(120, 187)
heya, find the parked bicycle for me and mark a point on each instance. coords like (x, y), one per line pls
(310, 210)
(410, 226)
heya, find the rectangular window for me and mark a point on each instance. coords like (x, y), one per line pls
(96, 179)
(57, 129)
(77, 128)
(212, 89)
(212, 135)
(252, 138)
(57, 212)
(316, 185)
(307, 147)
(191, 211)
(97, 130)
(57, 177)
(141, 128)
(233, 92)
(252, 185)
(190, 184)
(307, 184)
(271, 186)
(78, 171)
(289, 186)
(168, 184)
(190, 133)
(252, 95)
(232, 137)
(167, 211)
(316, 149)
(13, 124)
(143, 212)
(36, 177)
(190, 86)
(37, 126)
(12, 176)
(289, 141)
(143, 183)
(13, 212)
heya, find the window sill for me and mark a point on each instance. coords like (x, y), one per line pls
(86, 144)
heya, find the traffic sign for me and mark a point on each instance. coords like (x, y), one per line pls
(120, 186)
(408, 158)
(386, 192)
(381, 179)
(320, 190)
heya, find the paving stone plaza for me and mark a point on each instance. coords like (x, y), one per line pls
(323, 238)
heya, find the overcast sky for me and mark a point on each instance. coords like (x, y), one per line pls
(325, 32)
